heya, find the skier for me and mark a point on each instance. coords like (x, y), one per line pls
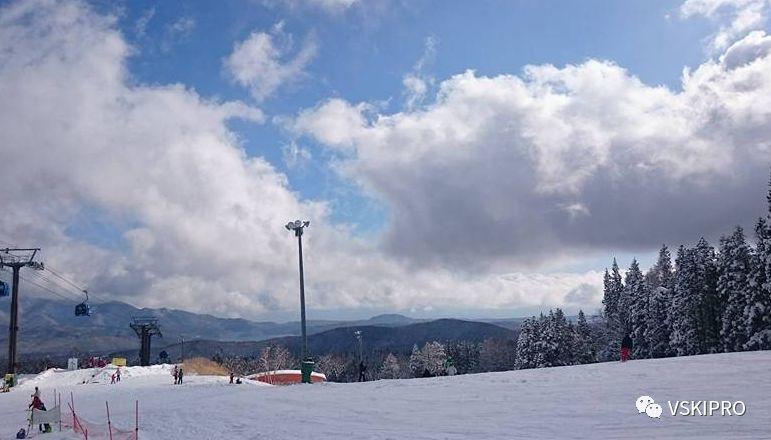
(180, 375)
(626, 348)
(176, 374)
(37, 393)
(117, 375)
(231, 377)
(362, 369)
(112, 378)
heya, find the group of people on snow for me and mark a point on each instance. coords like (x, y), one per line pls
(177, 374)
(115, 376)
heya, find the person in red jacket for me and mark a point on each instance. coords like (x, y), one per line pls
(626, 348)
(38, 405)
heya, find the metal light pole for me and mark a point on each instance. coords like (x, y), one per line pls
(357, 333)
(307, 364)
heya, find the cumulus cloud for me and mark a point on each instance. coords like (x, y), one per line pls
(264, 61)
(737, 17)
(560, 160)
(197, 222)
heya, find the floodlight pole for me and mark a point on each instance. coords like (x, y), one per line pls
(307, 364)
(299, 233)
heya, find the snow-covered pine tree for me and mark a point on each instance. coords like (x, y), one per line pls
(683, 313)
(390, 368)
(657, 332)
(556, 340)
(711, 307)
(733, 288)
(434, 358)
(583, 345)
(660, 281)
(636, 296)
(465, 355)
(417, 365)
(696, 309)
(757, 312)
(527, 344)
(614, 314)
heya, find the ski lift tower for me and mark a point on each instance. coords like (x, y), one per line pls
(145, 328)
(16, 258)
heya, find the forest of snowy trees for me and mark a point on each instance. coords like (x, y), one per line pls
(710, 301)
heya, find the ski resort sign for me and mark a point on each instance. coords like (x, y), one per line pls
(646, 404)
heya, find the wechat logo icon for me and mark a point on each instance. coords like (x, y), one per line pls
(646, 404)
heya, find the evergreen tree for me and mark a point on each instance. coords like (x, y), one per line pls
(465, 355)
(711, 307)
(660, 281)
(658, 329)
(416, 362)
(733, 288)
(556, 341)
(757, 311)
(583, 345)
(636, 294)
(390, 368)
(696, 309)
(527, 344)
(614, 313)
(683, 311)
(434, 358)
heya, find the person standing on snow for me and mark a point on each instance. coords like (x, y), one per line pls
(117, 375)
(38, 405)
(180, 376)
(626, 348)
(176, 374)
(362, 370)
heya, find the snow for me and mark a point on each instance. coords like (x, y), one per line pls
(587, 401)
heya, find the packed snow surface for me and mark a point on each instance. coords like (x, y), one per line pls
(588, 401)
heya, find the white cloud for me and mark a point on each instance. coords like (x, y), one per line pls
(329, 6)
(200, 221)
(263, 63)
(521, 169)
(417, 82)
(742, 16)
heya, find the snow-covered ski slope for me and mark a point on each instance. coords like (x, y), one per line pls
(589, 401)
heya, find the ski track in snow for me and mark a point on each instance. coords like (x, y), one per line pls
(578, 402)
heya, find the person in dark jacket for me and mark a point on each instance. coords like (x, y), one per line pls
(626, 348)
(180, 376)
(362, 370)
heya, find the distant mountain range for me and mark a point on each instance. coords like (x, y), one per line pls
(51, 328)
(398, 340)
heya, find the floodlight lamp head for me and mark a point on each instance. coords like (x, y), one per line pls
(298, 224)
(289, 226)
(306, 224)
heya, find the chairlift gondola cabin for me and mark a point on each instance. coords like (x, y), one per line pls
(83, 309)
(5, 289)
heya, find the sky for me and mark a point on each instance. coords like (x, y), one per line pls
(469, 159)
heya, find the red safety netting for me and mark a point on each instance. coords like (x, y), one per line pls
(101, 431)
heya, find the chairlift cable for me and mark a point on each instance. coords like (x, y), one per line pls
(74, 296)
